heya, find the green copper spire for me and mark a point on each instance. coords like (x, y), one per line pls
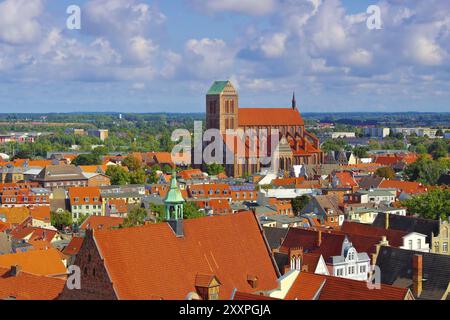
(174, 200)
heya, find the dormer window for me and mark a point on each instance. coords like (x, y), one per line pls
(208, 286)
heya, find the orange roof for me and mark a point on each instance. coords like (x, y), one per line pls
(101, 223)
(39, 163)
(309, 285)
(94, 168)
(191, 173)
(15, 215)
(305, 287)
(346, 179)
(269, 117)
(40, 213)
(38, 262)
(84, 195)
(4, 226)
(163, 157)
(120, 205)
(74, 246)
(404, 186)
(230, 247)
(26, 286)
(287, 181)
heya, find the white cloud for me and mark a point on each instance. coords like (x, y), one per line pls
(206, 58)
(274, 46)
(250, 7)
(19, 21)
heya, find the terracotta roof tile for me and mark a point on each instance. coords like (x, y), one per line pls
(308, 285)
(269, 117)
(26, 286)
(229, 247)
(101, 223)
(38, 262)
(74, 246)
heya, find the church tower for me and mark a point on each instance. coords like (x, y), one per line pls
(174, 206)
(222, 103)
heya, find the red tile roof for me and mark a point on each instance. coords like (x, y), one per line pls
(404, 186)
(395, 237)
(26, 286)
(38, 262)
(346, 179)
(101, 223)
(250, 297)
(307, 285)
(84, 195)
(331, 243)
(150, 261)
(269, 117)
(73, 247)
(191, 173)
(41, 213)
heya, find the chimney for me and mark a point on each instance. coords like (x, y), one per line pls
(319, 238)
(15, 270)
(386, 222)
(417, 275)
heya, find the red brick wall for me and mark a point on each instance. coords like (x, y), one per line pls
(93, 287)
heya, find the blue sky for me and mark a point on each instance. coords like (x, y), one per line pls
(153, 56)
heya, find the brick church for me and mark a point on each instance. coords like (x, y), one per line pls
(296, 145)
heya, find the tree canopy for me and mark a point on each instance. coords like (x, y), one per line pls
(434, 204)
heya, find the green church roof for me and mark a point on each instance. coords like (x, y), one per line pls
(174, 195)
(217, 87)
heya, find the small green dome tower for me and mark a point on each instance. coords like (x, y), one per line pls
(174, 201)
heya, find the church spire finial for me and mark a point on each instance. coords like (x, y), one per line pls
(294, 102)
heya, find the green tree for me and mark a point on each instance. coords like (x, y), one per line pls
(152, 177)
(118, 175)
(431, 205)
(138, 177)
(385, 172)
(61, 220)
(132, 163)
(191, 210)
(425, 170)
(87, 160)
(439, 149)
(136, 217)
(167, 169)
(100, 151)
(299, 203)
(334, 145)
(214, 169)
(421, 149)
(361, 152)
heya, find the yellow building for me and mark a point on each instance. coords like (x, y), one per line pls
(439, 243)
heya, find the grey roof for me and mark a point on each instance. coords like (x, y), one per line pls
(328, 202)
(370, 182)
(320, 169)
(281, 259)
(408, 224)
(60, 172)
(275, 236)
(396, 268)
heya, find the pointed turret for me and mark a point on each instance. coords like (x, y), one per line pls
(294, 102)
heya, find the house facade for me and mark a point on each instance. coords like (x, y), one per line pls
(440, 242)
(350, 264)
